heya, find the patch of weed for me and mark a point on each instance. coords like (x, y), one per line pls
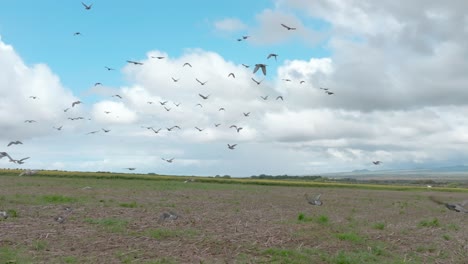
(429, 223)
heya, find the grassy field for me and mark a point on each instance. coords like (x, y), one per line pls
(116, 218)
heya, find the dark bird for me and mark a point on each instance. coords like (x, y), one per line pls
(87, 7)
(92, 132)
(377, 162)
(106, 130)
(175, 80)
(21, 161)
(30, 121)
(199, 129)
(301, 82)
(109, 69)
(199, 105)
(237, 128)
(457, 207)
(217, 125)
(287, 27)
(4, 154)
(135, 62)
(221, 109)
(272, 55)
(76, 33)
(146, 127)
(65, 110)
(163, 103)
(171, 128)
(245, 65)
(58, 128)
(257, 82)
(286, 80)
(167, 109)
(131, 169)
(280, 97)
(158, 57)
(75, 103)
(239, 39)
(232, 146)
(326, 89)
(204, 96)
(33, 97)
(258, 66)
(75, 118)
(150, 102)
(202, 83)
(98, 83)
(155, 131)
(177, 105)
(329, 93)
(264, 97)
(231, 74)
(245, 37)
(107, 112)
(168, 160)
(314, 201)
(14, 143)
(246, 114)
(188, 64)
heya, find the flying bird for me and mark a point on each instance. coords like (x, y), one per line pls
(167, 109)
(175, 80)
(75, 103)
(264, 97)
(188, 64)
(199, 129)
(58, 128)
(329, 93)
(106, 130)
(30, 121)
(258, 66)
(150, 102)
(301, 82)
(28, 172)
(232, 146)
(21, 161)
(168, 160)
(177, 105)
(14, 143)
(377, 162)
(4, 154)
(237, 128)
(280, 97)
(109, 69)
(92, 132)
(135, 62)
(171, 128)
(199, 105)
(107, 112)
(272, 55)
(33, 97)
(217, 125)
(245, 65)
(246, 114)
(155, 131)
(286, 80)
(163, 103)
(131, 169)
(66, 109)
(204, 96)
(76, 33)
(98, 83)
(457, 207)
(314, 201)
(221, 109)
(231, 74)
(257, 82)
(326, 89)
(287, 27)
(202, 83)
(158, 57)
(87, 7)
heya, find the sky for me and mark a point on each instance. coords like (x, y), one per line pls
(396, 74)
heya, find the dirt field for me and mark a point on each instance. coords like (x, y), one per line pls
(119, 221)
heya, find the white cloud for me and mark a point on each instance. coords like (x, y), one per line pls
(229, 25)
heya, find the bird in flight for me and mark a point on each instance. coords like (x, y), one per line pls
(92, 132)
(135, 62)
(177, 105)
(199, 129)
(287, 27)
(28, 172)
(30, 121)
(171, 128)
(188, 64)
(314, 201)
(21, 161)
(329, 93)
(167, 109)
(258, 66)
(168, 160)
(257, 82)
(158, 57)
(377, 162)
(75, 118)
(106, 130)
(163, 103)
(245, 65)
(301, 82)
(202, 83)
(246, 114)
(272, 55)
(231, 146)
(232, 74)
(150, 102)
(98, 83)
(155, 131)
(175, 80)
(199, 105)
(87, 7)
(107, 112)
(77, 34)
(280, 97)
(58, 128)
(109, 69)
(14, 143)
(237, 128)
(264, 97)
(221, 109)
(325, 89)
(75, 103)
(204, 96)
(286, 80)
(217, 125)
(4, 154)
(131, 169)
(457, 207)
(65, 110)
(33, 97)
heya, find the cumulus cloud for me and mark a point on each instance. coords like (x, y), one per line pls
(229, 25)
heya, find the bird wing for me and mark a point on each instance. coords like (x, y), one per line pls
(263, 69)
(23, 159)
(256, 68)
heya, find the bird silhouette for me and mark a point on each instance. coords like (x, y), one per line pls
(257, 82)
(326, 89)
(231, 146)
(329, 93)
(58, 128)
(187, 64)
(288, 27)
(66, 109)
(14, 143)
(231, 74)
(200, 105)
(314, 201)
(377, 162)
(202, 83)
(301, 82)
(171, 128)
(245, 65)
(109, 69)
(176, 104)
(131, 169)
(87, 7)
(264, 97)
(158, 57)
(92, 132)
(135, 62)
(106, 130)
(457, 207)
(168, 160)
(33, 97)
(30, 121)
(246, 114)
(150, 102)
(260, 66)
(272, 55)
(21, 161)
(155, 131)
(221, 109)
(163, 103)
(199, 129)
(107, 112)
(167, 109)
(77, 34)
(280, 97)
(175, 80)
(286, 80)
(4, 154)
(217, 125)
(98, 83)
(204, 96)
(75, 103)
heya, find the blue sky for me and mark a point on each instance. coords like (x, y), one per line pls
(395, 95)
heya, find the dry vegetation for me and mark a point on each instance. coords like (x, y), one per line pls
(118, 221)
